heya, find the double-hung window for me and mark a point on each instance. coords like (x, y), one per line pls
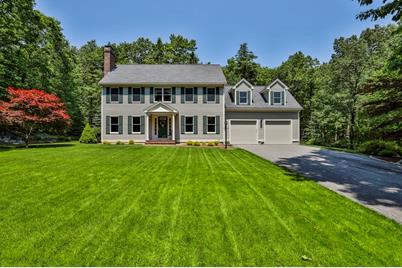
(277, 97)
(136, 124)
(114, 124)
(136, 93)
(163, 94)
(189, 124)
(243, 97)
(114, 95)
(211, 94)
(211, 124)
(189, 94)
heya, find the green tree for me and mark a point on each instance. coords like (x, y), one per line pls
(88, 135)
(242, 65)
(389, 7)
(298, 72)
(180, 50)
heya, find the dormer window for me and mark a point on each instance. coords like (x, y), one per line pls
(243, 97)
(277, 97)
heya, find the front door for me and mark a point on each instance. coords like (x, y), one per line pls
(162, 127)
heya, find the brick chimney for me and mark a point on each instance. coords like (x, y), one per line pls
(109, 60)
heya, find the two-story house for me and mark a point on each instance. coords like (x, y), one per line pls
(171, 103)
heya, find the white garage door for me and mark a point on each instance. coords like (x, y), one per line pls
(278, 132)
(243, 132)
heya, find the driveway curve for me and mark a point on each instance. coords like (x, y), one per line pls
(371, 182)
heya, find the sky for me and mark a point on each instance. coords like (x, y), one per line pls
(273, 30)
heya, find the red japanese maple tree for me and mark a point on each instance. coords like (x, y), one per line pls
(30, 110)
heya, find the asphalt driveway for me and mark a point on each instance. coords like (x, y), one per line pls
(371, 182)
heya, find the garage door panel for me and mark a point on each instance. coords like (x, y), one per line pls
(243, 132)
(278, 132)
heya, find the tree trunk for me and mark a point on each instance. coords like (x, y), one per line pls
(27, 137)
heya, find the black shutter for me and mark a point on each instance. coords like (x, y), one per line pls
(205, 124)
(107, 124)
(271, 97)
(237, 97)
(195, 124)
(182, 95)
(142, 122)
(108, 95)
(283, 97)
(218, 124)
(142, 95)
(151, 95)
(182, 123)
(204, 95)
(130, 124)
(195, 95)
(173, 95)
(130, 95)
(120, 95)
(120, 124)
(217, 95)
(248, 97)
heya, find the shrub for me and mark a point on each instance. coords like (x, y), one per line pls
(379, 147)
(120, 143)
(106, 142)
(211, 143)
(189, 143)
(216, 143)
(88, 135)
(196, 143)
(131, 142)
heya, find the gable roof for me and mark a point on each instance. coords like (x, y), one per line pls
(276, 81)
(160, 107)
(245, 82)
(165, 74)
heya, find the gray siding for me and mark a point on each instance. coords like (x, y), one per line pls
(293, 116)
(137, 109)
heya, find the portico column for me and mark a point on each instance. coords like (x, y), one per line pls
(173, 127)
(146, 127)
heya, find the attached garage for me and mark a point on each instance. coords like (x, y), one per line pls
(243, 132)
(278, 132)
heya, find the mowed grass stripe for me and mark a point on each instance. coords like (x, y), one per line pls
(82, 205)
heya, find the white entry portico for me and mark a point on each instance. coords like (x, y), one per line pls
(160, 122)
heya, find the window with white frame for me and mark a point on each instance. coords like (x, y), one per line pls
(189, 94)
(189, 124)
(211, 94)
(167, 94)
(136, 93)
(163, 94)
(243, 97)
(211, 124)
(114, 124)
(277, 97)
(136, 124)
(114, 94)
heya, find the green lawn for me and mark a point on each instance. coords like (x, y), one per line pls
(126, 205)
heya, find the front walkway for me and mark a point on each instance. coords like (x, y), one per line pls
(373, 183)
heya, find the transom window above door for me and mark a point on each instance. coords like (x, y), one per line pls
(163, 94)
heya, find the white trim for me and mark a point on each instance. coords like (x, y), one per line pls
(132, 95)
(163, 94)
(118, 95)
(155, 105)
(279, 120)
(212, 132)
(230, 128)
(185, 125)
(276, 81)
(185, 94)
(241, 82)
(118, 124)
(214, 101)
(132, 125)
